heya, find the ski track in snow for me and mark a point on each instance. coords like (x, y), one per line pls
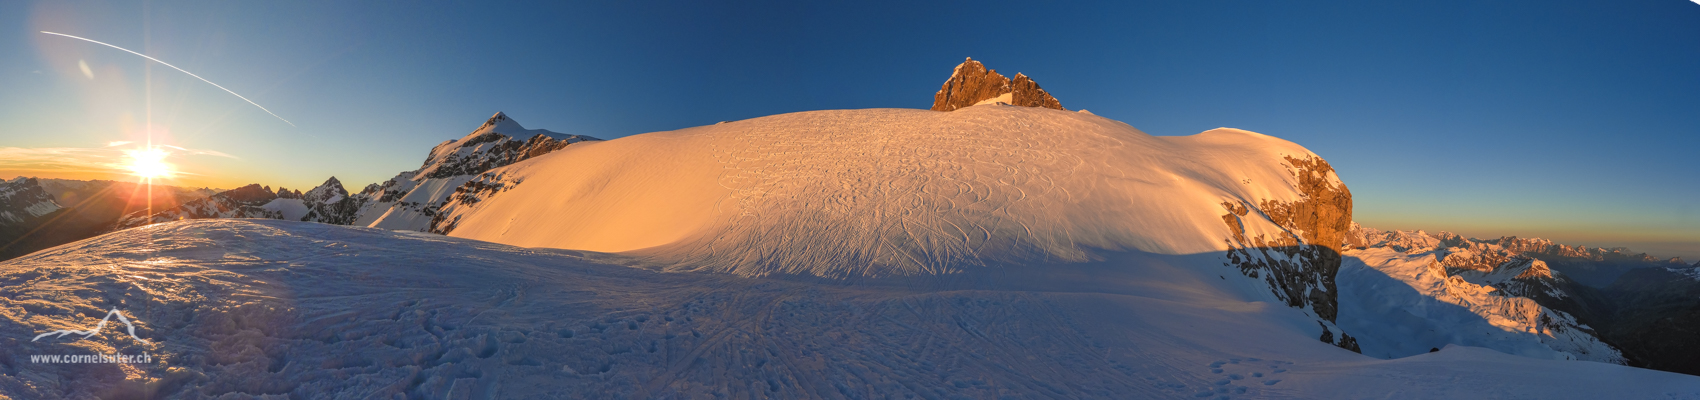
(259, 307)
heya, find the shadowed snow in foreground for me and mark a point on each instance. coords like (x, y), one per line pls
(256, 307)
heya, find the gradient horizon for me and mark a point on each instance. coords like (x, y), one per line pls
(1571, 121)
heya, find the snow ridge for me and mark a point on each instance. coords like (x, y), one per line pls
(885, 192)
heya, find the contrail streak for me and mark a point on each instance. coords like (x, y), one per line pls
(262, 108)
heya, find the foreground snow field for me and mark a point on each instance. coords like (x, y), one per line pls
(306, 310)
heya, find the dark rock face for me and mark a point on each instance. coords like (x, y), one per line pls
(972, 83)
(1324, 217)
(1301, 264)
(1656, 318)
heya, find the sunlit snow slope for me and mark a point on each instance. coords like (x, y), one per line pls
(252, 308)
(885, 192)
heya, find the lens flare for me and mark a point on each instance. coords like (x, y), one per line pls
(149, 163)
(91, 76)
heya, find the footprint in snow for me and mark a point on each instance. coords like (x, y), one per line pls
(1271, 382)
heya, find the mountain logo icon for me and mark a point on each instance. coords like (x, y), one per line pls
(97, 328)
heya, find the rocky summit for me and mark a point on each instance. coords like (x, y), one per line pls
(972, 83)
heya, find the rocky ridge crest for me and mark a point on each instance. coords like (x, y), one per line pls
(972, 83)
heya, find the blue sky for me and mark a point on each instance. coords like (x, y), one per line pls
(1572, 120)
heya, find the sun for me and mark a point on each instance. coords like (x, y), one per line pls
(149, 163)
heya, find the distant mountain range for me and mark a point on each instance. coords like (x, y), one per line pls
(36, 214)
(1640, 305)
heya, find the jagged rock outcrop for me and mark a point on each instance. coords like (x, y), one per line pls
(415, 200)
(1300, 263)
(972, 83)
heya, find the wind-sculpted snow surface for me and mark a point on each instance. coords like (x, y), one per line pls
(888, 192)
(261, 308)
(851, 194)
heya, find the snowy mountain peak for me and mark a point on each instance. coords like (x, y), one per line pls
(501, 123)
(329, 192)
(413, 199)
(24, 199)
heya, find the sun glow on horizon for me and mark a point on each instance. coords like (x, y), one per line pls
(149, 163)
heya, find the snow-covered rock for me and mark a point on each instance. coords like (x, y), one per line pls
(413, 199)
(331, 203)
(22, 200)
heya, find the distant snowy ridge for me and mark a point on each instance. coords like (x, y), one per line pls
(1595, 266)
(23, 199)
(1518, 295)
(252, 201)
(1401, 304)
(328, 203)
